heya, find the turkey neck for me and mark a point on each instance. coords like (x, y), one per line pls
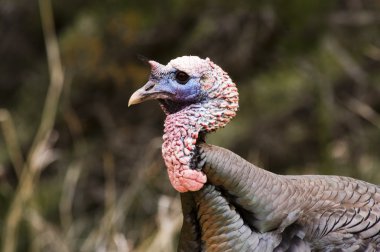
(182, 130)
(179, 149)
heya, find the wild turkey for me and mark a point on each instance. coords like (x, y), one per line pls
(231, 205)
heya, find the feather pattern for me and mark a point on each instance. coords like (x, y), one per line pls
(232, 205)
(281, 213)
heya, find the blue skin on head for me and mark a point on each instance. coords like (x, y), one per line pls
(189, 92)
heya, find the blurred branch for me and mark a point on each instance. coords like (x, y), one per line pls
(348, 63)
(169, 220)
(43, 156)
(68, 190)
(324, 108)
(365, 111)
(40, 153)
(110, 187)
(114, 217)
(358, 18)
(56, 73)
(75, 168)
(373, 52)
(47, 239)
(11, 140)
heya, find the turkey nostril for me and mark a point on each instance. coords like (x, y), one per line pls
(149, 87)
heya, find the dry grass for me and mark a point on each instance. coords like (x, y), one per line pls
(71, 234)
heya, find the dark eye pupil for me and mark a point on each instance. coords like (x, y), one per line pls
(182, 77)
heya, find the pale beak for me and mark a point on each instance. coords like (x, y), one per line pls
(136, 97)
(149, 91)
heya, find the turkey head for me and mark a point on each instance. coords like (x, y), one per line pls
(197, 97)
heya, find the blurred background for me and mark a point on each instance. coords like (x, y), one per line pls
(80, 171)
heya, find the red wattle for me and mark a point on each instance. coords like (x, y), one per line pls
(182, 128)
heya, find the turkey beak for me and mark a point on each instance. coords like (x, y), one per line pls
(150, 91)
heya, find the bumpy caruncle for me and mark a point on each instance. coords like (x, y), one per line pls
(183, 127)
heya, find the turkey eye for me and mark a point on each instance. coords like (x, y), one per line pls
(182, 77)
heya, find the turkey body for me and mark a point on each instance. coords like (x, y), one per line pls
(232, 205)
(256, 210)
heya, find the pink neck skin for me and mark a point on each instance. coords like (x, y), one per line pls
(182, 129)
(181, 133)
